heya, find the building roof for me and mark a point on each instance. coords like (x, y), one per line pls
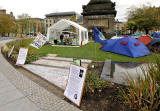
(62, 14)
(38, 18)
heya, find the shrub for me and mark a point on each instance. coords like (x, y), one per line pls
(93, 82)
(31, 56)
(144, 93)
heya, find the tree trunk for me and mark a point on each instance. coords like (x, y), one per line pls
(147, 31)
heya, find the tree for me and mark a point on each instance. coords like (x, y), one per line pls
(7, 24)
(23, 23)
(73, 18)
(131, 25)
(146, 18)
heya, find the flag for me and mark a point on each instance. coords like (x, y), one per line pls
(99, 37)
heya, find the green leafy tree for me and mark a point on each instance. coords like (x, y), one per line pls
(131, 25)
(73, 18)
(7, 25)
(23, 22)
(146, 18)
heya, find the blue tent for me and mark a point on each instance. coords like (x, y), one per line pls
(156, 34)
(125, 46)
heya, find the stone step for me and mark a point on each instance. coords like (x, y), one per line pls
(65, 59)
(55, 63)
(56, 76)
(52, 63)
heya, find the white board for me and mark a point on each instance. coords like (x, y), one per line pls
(39, 41)
(74, 89)
(11, 51)
(22, 56)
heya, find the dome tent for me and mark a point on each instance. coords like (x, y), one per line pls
(145, 39)
(125, 46)
(56, 29)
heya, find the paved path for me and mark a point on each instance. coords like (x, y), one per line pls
(18, 93)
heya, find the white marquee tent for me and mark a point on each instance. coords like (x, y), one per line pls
(56, 29)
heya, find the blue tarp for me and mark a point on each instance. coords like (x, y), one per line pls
(125, 46)
(156, 34)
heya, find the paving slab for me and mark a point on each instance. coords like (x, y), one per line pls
(66, 59)
(22, 104)
(55, 76)
(106, 72)
(10, 96)
(53, 63)
(6, 88)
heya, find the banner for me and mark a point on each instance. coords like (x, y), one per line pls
(39, 41)
(22, 56)
(74, 89)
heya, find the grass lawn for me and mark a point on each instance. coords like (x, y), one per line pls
(90, 51)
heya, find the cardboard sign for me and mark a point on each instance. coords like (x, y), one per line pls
(11, 51)
(74, 89)
(39, 41)
(22, 56)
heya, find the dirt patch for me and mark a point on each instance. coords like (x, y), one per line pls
(107, 99)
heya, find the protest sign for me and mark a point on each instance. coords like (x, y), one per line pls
(22, 56)
(11, 51)
(39, 41)
(74, 88)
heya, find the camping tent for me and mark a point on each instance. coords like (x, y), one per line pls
(56, 29)
(126, 46)
(116, 37)
(156, 34)
(145, 39)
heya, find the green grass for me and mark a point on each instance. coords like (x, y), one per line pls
(90, 51)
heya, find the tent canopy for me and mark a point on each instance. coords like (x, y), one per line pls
(126, 46)
(145, 39)
(156, 34)
(56, 29)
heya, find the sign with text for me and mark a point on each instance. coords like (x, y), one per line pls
(22, 56)
(11, 51)
(74, 89)
(39, 41)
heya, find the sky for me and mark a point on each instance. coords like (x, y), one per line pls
(38, 8)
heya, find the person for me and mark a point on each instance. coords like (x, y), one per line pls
(61, 38)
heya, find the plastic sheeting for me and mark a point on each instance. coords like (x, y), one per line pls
(56, 29)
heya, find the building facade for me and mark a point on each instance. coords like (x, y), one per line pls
(99, 13)
(119, 27)
(36, 26)
(54, 17)
(3, 12)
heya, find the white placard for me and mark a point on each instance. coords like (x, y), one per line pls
(11, 51)
(75, 84)
(39, 41)
(22, 56)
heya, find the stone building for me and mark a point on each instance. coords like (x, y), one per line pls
(119, 27)
(100, 13)
(36, 25)
(3, 12)
(54, 17)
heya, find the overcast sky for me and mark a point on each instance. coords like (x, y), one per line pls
(38, 8)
